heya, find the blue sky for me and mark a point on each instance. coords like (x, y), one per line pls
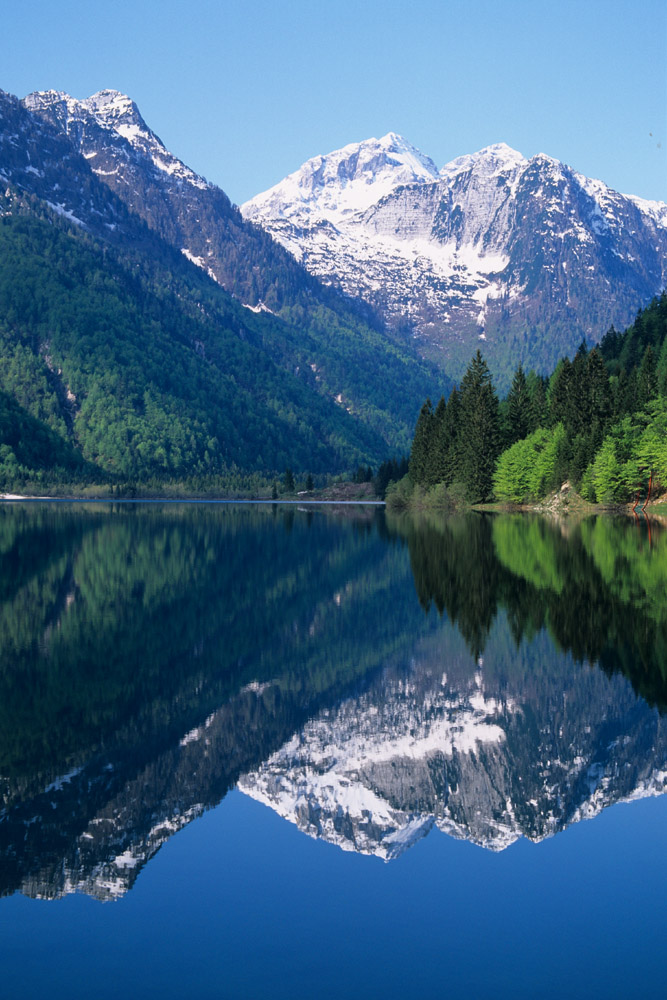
(244, 92)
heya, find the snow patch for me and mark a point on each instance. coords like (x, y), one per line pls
(66, 213)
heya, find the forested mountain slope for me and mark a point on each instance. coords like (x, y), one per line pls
(145, 375)
(140, 359)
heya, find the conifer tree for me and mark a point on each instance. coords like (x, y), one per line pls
(647, 380)
(537, 389)
(451, 437)
(421, 444)
(518, 409)
(480, 430)
(559, 393)
(436, 465)
(576, 414)
(661, 370)
(599, 399)
(619, 388)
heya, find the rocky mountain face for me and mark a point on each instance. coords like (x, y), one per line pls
(187, 212)
(525, 255)
(39, 163)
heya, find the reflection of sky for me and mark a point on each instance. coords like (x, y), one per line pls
(240, 904)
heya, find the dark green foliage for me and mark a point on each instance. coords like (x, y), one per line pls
(422, 443)
(288, 481)
(647, 379)
(364, 474)
(537, 389)
(603, 432)
(480, 431)
(457, 444)
(625, 351)
(146, 375)
(518, 409)
(30, 449)
(612, 423)
(451, 437)
(315, 340)
(436, 462)
(661, 369)
(390, 471)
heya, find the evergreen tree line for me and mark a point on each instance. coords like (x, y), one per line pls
(599, 421)
(458, 442)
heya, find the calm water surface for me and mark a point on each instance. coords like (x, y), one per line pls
(271, 752)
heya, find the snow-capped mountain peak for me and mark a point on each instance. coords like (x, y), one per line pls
(407, 158)
(119, 118)
(105, 104)
(492, 243)
(111, 107)
(499, 158)
(345, 182)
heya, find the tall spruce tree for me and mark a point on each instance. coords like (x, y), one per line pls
(560, 393)
(436, 464)
(647, 379)
(480, 430)
(421, 444)
(451, 437)
(537, 389)
(599, 398)
(661, 370)
(518, 409)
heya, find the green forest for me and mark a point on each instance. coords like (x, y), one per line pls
(598, 422)
(119, 366)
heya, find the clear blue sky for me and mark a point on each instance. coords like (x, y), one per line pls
(244, 92)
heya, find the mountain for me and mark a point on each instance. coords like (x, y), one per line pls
(195, 217)
(172, 337)
(526, 255)
(145, 370)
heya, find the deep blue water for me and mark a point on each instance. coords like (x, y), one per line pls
(503, 678)
(240, 904)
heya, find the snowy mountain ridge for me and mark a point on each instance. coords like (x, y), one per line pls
(348, 181)
(524, 254)
(118, 115)
(493, 246)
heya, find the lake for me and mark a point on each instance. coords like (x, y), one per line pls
(273, 751)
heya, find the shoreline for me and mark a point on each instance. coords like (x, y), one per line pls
(18, 498)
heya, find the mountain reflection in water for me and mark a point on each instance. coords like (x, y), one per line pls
(367, 677)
